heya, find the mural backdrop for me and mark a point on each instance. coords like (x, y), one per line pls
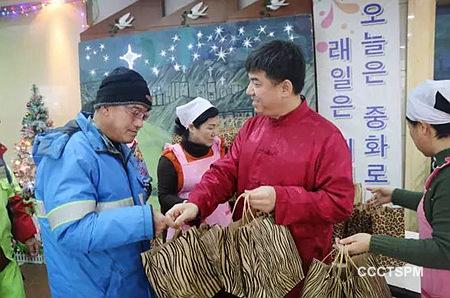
(182, 63)
(442, 44)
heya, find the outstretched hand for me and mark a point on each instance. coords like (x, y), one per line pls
(181, 213)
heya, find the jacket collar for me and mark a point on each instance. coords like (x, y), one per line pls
(439, 158)
(99, 141)
(296, 114)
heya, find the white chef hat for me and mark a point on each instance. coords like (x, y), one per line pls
(187, 113)
(430, 102)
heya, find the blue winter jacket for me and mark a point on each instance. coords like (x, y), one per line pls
(94, 221)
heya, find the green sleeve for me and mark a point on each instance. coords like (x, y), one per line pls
(406, 198)
(433, 252)
(15, 184)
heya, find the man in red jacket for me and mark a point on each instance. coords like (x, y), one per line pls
(292, 161)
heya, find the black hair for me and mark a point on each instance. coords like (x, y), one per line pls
(442, 130)
(280, 60)
(184, 132)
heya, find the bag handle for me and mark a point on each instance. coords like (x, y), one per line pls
(342, 256)
(156, 243)
(359, 193)
(246, 210)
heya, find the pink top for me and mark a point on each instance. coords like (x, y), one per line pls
(435, 282)
(192, 174)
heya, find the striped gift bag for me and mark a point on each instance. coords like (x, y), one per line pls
(342, 279)
(254, 257)
(179, 267)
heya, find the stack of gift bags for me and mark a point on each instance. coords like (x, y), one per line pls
(381, 220)
(253, 257)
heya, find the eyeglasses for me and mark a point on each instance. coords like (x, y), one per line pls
(137, 113)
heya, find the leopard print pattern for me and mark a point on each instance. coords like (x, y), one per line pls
(359, 222)
(388, 221)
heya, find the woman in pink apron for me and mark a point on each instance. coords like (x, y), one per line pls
(182, 166)
(428, 116)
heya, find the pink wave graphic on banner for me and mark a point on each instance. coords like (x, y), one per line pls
(347, 7)
(328, 20)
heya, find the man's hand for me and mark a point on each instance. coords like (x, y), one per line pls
(33, 246)
(159, 222)
(180, 213)
(262, 198)
(357, 244)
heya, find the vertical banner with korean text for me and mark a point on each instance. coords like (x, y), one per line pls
(357, 44)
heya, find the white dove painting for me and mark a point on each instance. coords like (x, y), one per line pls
(125, 21)
(198, 10)
(275, 4)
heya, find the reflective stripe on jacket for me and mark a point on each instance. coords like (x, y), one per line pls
(92, 214)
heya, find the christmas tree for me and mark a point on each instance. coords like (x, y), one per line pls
(35, 121)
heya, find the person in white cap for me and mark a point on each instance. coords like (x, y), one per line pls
(428, 116)
(182, 166)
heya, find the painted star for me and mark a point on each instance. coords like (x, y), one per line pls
(247, 43)
(214, 48)
(256, 38)
(271, 34)
(210, 37)
(231, 49)
(199, 44)
(172, 48)
(241, 31)
(88, 57)
(222, 40)
(199, 34)
(146, 61)
(94, 52)
(177, 67)
(163, 53)
(88, 48)
(102, 47)
(291, 37)
(233, 39)
(261, 29)
(155, 70)
(218, 31)
(105, 58)
(195, 56)
(92, 72)
(288, 28)
(175, 38)
(221, 55)
(190, 46)
(129, 57)
(172, 58)
(106, 74)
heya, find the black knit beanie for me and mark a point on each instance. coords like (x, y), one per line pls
(123, 86)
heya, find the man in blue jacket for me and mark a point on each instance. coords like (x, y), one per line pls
(91, 197)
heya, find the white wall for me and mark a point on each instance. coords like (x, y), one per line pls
(173, 5)
(102, 9)
(39, 49)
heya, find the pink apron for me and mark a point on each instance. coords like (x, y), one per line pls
(192, 174)
(435, 282)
